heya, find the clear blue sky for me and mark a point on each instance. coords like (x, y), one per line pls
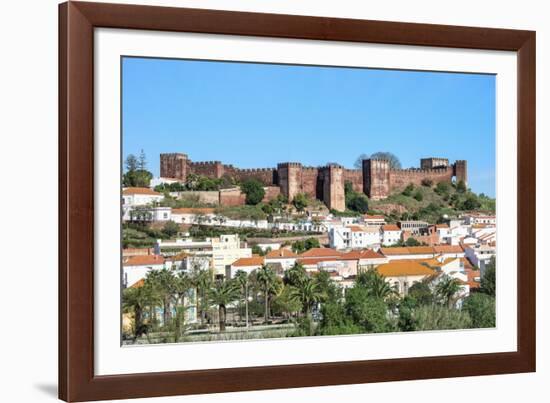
(255, 115)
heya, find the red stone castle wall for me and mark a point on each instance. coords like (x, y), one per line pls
(401, 178)
(355, 176)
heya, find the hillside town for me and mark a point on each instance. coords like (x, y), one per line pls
(238, 260)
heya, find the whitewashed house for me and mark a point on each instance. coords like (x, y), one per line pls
(391, 234)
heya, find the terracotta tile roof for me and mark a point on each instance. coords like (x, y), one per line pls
(412, 250)
(374, 217)
(143, 260)
(448, 249)
(179, 256)
(138, 284)
(281, 254)
(390, 227)
(140, 191)
(404, 268)
(193, 210)
(442, 226)
(249, 261)
(420, 250)
(320, 252)
(395, 251)
(356, 228)
(361, 254)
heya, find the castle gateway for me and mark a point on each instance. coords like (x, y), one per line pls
(376, 179)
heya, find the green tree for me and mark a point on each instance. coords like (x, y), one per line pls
(461, 187)
(182, 286)
(488, 280)
(222, 294)
(471, 202)
(295, 275)
(408, 190)
(266, 278)
(481, 308)
(142, 161)
(412, 242)
(335, 321)
(437, 317)
(131, 163)
(385, 155)
(357, 202)
(170, 229)
(308, 293)
(375, 284)
(300, 201)
(442, 188)
(202, 280)
(135, 300)
(421, 293)
(241, 277)
(358, 164)
(163, 285)
(427, 182)
(446, 289)
(254, 191)
(365, 310)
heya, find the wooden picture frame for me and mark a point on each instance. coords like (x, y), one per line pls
(77, 21)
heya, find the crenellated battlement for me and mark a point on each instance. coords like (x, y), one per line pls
(421, 171)
(289, 164)
(203, 163)
(376, 178)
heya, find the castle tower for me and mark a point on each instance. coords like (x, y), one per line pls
(333, 187)
(290, 178)
(433, 162)
(461, 171)
(174, 165)
(376, 178)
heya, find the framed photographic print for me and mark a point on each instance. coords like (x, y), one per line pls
(256, 201)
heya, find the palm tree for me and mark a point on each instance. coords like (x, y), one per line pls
(375, 283)
(308, 293)
(446, 288)
(182, 285)
(242, 279)
(266, 277)
(222, 294)
(295, 274)
(163, 282)
(135, 300)
(202, 280)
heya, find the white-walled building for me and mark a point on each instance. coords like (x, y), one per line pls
(473, 219)
(246, 264)
(354, 237)
(136, 196)
(161, 181)
(135, 268)
(480, 255)
(225, 250)
(391, 234)
(286, 258)
(374, 220)
(221, 251)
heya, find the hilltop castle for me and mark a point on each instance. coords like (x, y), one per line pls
(376, 179)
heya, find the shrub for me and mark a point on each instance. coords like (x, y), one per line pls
(481, 308)
(408, 190)
(254, 191)
(418, 196)
(427, 182)
(300, 201)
